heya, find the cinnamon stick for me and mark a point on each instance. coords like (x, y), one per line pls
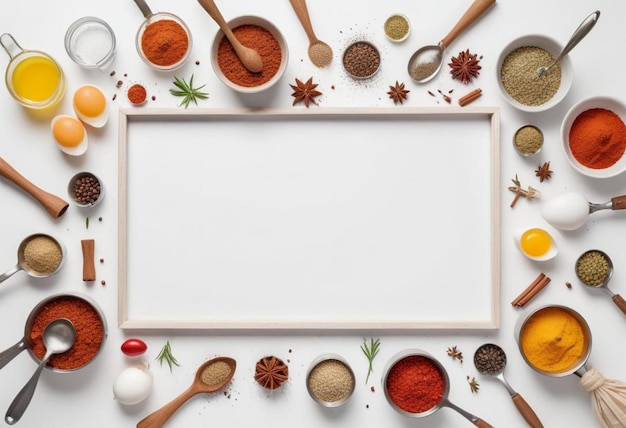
(470, 97)
(89, 267)
(531, 291)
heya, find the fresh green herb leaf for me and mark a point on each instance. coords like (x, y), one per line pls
(370, 352)
(188, 92)
(87, 223)
(166, 355)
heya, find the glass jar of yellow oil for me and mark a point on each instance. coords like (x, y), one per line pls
(33, 78)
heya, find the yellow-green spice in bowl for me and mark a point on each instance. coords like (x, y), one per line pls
(397, 28)
(528, 140)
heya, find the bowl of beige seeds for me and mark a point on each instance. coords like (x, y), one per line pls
(518, 77)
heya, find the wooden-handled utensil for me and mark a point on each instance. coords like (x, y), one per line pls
(55, 206)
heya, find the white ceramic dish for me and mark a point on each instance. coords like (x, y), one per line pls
(547, 43)
(261, 22)
(590, 103)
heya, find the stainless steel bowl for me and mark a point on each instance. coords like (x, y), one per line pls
(72, 195)
(322, 359)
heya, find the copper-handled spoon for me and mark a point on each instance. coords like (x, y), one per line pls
(248, 57)
(53, 204)
(495, 367)
(161, 416)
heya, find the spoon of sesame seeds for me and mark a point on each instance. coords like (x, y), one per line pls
(490, 360)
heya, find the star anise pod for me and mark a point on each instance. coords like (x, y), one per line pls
(455, 354)
(397, 93)
(464, 67)
(271, 372)
(474, 385)
(544, 172)
(305, 92)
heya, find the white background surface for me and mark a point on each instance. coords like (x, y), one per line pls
(85, 398)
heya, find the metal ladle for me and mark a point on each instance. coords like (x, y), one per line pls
(426, 62)
(58, 337)
(498, 372)
(582, 30)
(22, 265)
(604, 285)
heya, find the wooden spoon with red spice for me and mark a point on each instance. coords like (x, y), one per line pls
(248, 57)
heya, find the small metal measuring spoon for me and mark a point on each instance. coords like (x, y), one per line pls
(490, 360)
(426, 62)
(603, 283)
(580, 32)
(58, 337)
(23, 265)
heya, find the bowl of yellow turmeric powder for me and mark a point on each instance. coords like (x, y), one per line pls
(554, 340)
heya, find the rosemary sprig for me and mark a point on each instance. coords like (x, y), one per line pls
(370, 352)
(188, 92)
(166, 355)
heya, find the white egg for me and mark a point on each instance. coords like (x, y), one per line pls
(91, 106)
(536, 244)
(568, 211)
(70, 135)
(133, 385)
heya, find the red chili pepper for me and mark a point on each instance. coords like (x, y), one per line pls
(134, 347)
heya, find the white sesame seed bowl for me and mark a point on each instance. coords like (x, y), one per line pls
(330, 380)
(516, 73)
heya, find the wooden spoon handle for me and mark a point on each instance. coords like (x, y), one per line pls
(161, 416)
(474, 12)
(214, 12)
(620, 303)
(53, 204)
(527, 412)
(481, 424)
(619, 202)
(299, 6)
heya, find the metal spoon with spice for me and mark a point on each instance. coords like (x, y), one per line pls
(211, 376)
(248, 57)
(594, 268)
(426, 62)
(490, 360)
(38, 255)
(583, 29)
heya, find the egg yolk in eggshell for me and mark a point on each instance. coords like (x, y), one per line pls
(69, 132)
(535, 242)
(89, 101)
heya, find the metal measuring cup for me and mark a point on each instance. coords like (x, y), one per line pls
(443, 402)
(619, 301)
(497, 370)
(23, 265)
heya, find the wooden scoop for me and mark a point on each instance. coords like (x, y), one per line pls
(248, 57)
(160, 417)
(53, 204)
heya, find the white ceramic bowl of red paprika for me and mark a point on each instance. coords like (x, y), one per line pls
(251, 88)
(576, 110)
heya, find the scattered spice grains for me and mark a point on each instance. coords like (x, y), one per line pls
(305, 92)
(361, 60)
(330, 381)
(568, 285)
(465, 66)
(592, 268)
(398, 93)
(42, 254)
(136, 94)
(520, 80)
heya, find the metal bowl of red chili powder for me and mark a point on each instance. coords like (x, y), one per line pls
(593, 137)
(256, 33)
(88, 320)
(417, 385)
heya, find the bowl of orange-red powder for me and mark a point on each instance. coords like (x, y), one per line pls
(164, 41)
(256, 33)
(593, 137)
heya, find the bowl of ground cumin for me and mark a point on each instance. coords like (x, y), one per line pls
(593, 137)
(256, 33)
(88, 321)
(519, 81)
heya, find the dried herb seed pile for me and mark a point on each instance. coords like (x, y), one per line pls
(361, 59)
(42, 254)
(330, 381)
(490, 359)
(528, 139)
(592, 268)
(215, 373)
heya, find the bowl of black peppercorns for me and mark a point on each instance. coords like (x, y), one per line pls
(85, 189)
